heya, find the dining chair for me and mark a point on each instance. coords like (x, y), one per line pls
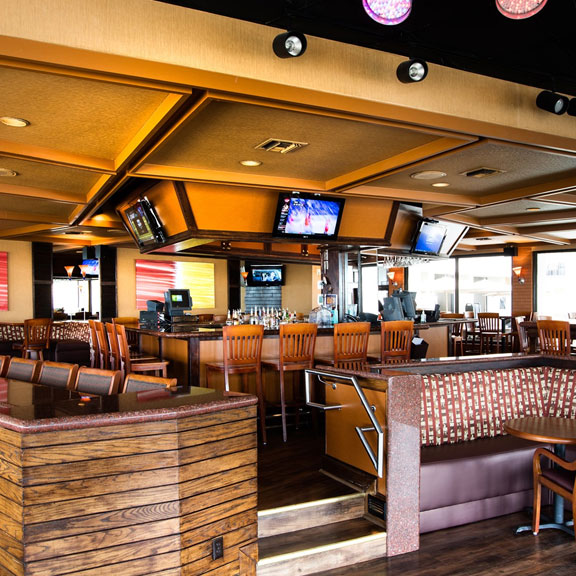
(242, 354)
(140, 382)
(296, 343)
(131, 322)
(523, 342)
(98, 381)
(554, 337)
(131, 363)
(60, 374)
(396, 341)
(103, 346)
(113, 346)
(559, 476)
(490, 332)
(94, 347)
(23, 369)
(36, 337)
(4, 362)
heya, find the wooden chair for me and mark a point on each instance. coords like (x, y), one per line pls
(139, 364)
(133, 322)
(98, 381)
(490, 332)
(396, 341)
(242, 354)
(554, 337)
(103, 346)
(296, 353)
(457, 332)
(350, 346)
(23, 369)
(94, 347)
(560, 478)
(4, 362)
(36, 337)
(113, 346)
(523, 342)
(140, 382)
(60, 374)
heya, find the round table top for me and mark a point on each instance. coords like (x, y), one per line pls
(543, 429)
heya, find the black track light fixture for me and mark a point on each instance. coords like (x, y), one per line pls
(552, 102)
(412, 71)
(289, 45)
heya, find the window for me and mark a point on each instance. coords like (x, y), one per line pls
(555, 280)
(434, 283)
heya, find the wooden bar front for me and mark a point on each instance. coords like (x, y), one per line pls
(141, 491)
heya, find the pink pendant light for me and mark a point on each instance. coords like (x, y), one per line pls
(388, 12)
(520, 9)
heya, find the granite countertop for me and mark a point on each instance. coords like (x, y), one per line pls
(27, 407)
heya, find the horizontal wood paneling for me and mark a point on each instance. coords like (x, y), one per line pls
(138, 500)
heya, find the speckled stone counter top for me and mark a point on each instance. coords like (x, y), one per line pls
(26, 407)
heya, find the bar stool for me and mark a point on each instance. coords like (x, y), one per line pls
(396, 341)
(554, 337)
(491, 335)
(296, 354)
(242, 354)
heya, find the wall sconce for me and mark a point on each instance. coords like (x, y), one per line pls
(69, 270)
(289, 45)
(244, 275)
(412, 71)
(518, 273)
(304, 250)
(391, 276)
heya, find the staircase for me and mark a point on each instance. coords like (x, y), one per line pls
(317, 536)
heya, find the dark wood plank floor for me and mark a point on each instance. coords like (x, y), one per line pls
(288, 473)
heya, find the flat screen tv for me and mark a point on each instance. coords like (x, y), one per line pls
(428, 238)
(176, 300)
(308, 216)
(92, 267)
(266, 275)
(144, 223)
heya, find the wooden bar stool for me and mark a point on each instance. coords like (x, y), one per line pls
(242, 354)
(350, 346)
(296, 353)
(396, 341)
(554, 337)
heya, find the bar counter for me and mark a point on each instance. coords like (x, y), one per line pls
(137, 483)
(190, 346)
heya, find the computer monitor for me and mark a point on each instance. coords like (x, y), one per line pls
(392, 309)
(408, 300)
(176, 301)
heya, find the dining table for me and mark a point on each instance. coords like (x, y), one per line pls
(559, 432)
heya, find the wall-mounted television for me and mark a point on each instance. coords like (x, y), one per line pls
(144, 223)
(300, 215)
(428, 238)
(266, 275)
(176, 301)
(92, 266)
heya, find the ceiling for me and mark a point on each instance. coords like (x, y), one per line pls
(110, 131)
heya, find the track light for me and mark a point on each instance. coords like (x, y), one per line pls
(412, 71)
(552, 102)
(289, 45)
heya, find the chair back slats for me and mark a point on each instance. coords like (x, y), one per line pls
(98, 381)
(37, 332)
(94, 347)
(113, 346)
(103, 346)
(23, 369)
(4, 362)
(139, 383)
(242, 344)
(523, 340)
(58, 374)
(297, 343)
(351, 342)
(489, 322)
(396, 340)
(554, 337)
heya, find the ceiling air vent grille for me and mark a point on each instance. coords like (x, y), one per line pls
(482, 172)
(282, 146)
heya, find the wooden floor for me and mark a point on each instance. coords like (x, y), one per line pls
(288, 473)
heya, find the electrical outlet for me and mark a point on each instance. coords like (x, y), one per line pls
(217, 548)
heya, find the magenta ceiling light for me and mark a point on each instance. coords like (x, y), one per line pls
(389, 12)
(520, 9)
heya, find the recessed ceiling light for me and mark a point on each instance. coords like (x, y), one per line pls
(532, 209)
(8, 173)
(428, 175)
(14, 122)
(250, 163)
(441, 184)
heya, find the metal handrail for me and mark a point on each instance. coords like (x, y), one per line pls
(377, 459)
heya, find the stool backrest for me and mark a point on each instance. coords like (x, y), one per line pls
(60, 374)
(96, 381)
(489, 321)
(37, 332)
(554, 337)
(396, 341)
(23, 369)
(139, 382)
(351, 342)
(297, 343)
(242, 344)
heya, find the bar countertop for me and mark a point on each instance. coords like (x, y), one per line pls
(27, 407)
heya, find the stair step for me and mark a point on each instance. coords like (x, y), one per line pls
(322, 548)
(309, 514)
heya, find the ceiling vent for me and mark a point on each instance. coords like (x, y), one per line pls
(282, 146)
(481, 172)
